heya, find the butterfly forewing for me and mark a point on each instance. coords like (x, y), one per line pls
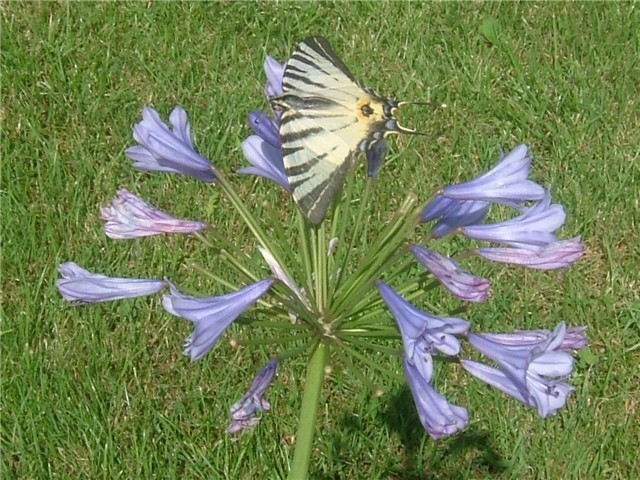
(328, 118)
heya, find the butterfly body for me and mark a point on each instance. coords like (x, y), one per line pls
(328, 119)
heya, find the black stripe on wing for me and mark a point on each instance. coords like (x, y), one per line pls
(321, 46)
(300, 134)
(315, 203)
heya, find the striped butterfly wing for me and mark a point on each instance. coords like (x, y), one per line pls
(327, 120)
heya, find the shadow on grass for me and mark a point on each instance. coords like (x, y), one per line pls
(468, 454)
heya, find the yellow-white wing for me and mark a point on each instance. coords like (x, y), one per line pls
(322, 128)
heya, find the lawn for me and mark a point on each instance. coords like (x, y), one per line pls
(104, 391)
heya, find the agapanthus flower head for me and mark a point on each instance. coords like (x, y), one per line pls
(78, 284)
(243, 412)
(438, 417)
(533, 229)
(507, 182)
(532, 374)
(211, 315)
(422, 333)
(327, 296)
(456, 280)
(163, 150)
(554, 255)
(128, 216)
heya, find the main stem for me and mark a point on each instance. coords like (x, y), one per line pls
(307, 422)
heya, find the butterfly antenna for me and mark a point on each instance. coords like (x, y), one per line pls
(409, 131)
(433, 105)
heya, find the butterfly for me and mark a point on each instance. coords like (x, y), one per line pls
(328, 119)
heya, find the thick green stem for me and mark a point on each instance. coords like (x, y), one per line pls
(307, 422)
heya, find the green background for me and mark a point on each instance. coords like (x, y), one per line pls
(104, 391)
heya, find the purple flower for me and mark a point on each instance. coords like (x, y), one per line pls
(128, 216)
(422, 333)
(531, 230)
(438, 417)
(274, 71)
(262, 150)
(458, 281)
(574, 338)
(79, 284)
(264, 127)
(164, 150)
(211, 315)
(547, 396)
(505, 183)
(244, 410)
(266, 161)
(549, 257)
(453, 214)
(530, 373)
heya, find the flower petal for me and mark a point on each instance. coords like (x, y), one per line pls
(458, 281)
(275, 72)
(438, 417)
(266, 160)
(264, 127)
(128, 216)
(243, 412)
(81, 285)
(211, 315)
(552, 256)
(375, 157)
(505, 183)
(531, 230)
(163, 150)
(422, 333)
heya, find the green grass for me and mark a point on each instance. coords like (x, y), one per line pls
(104, 391)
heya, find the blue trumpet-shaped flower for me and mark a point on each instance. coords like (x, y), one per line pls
(81, 285)
(438, 417)
(574, 338)
(163, 150)
(467, 203)
(274, 71)
(507, 182)
(529, 373)
(211, 315)
(452, 214)
(422, 333)
(128, 216)
(458, 281)
(554, 255)
(243, 412)
(531, 230)
(263, 150)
